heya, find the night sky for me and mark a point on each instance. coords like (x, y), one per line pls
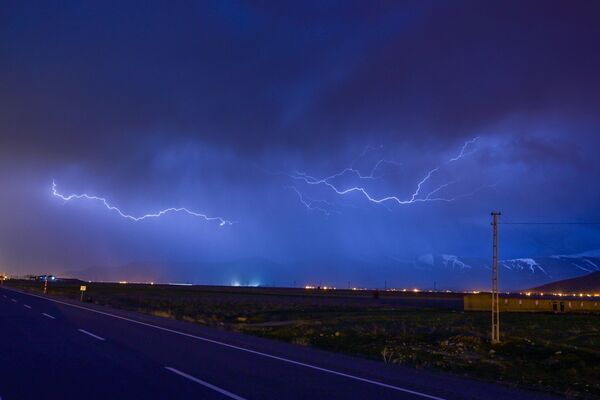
(239, 110)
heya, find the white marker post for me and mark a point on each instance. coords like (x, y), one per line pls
(82, 289)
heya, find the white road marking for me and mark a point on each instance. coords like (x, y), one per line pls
(91, 334)
(204, 383)
(13, 300)
(48, 315)
(27, 306)
(259, 353)
(4, 295)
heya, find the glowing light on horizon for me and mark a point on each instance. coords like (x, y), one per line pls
(115, 209)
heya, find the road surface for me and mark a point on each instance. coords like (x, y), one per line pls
(52, 348)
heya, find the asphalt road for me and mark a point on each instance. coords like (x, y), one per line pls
(53, 348)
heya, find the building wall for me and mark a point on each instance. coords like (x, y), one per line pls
(483, 302)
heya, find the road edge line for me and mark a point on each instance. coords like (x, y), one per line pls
(283, 359)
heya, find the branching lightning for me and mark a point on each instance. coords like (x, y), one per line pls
(379, 164)
(110, 207)
(417, 195)
(464, 149)
(312, 204)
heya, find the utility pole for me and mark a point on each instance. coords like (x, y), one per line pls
(495, 290)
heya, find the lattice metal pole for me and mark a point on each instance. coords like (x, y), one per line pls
(495, 289)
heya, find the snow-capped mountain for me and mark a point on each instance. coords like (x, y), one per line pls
(464, 273)
(428, 271)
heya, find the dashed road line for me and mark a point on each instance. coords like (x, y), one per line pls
(244, 349)
(91, 334)
(204, 383)
(48, 315)
(27, 306)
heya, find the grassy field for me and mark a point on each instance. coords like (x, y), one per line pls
(557, 353)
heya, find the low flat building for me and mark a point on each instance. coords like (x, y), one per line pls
(535, 303)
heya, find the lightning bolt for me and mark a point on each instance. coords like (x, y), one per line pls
(464, 148)
(380, 163)
(312, 204)
(353, 171)
(160, 213)
(416, 197)
(367, 150)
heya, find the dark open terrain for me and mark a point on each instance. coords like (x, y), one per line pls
(556, 353)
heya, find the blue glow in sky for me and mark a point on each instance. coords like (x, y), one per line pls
(338, 136)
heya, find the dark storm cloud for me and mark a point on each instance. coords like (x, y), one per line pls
(469, 65)
(211, 105)
(254, 76)
(210, 71)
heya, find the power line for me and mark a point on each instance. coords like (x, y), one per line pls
(549, 223)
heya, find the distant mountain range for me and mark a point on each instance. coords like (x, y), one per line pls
(589, 283)
(439, 271)
(515, 274)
